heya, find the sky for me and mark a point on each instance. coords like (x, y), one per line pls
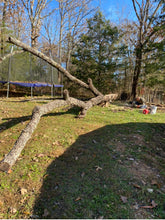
(114, 10)
(117, 10)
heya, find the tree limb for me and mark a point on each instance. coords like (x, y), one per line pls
(154, 31)
(52, 63)
(133, 1)
(37, 113)
(146, 11)
(25, 135)
(154, 13)
(10, 54)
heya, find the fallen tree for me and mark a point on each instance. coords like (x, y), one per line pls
(39, 111)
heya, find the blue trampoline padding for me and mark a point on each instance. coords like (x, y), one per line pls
(22, 84)
(41, 85)
(3, 82)
(32, 84)
(58, 85)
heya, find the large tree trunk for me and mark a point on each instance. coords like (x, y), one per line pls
(137, 71)
(12, 156)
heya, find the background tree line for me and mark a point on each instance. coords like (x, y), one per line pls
(128, 58)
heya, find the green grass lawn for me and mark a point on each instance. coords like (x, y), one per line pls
(111, 164)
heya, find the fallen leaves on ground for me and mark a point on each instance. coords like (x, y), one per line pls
(9, 171)
(136, 186)
(153, 205)
(40, 155)
(12, 210)
(98, 168)
(154, 182)
(23, 191)
(124, 199)
(1, 202)
(77, 199)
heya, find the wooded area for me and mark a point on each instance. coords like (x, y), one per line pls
(81, 48)
(125, 58)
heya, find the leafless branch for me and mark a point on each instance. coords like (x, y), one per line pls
(10, 55)
(133, 1)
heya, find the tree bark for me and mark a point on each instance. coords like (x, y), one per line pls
(38, 111)
(137, 71)
(25, 135)
(52, 63)
(3, 25)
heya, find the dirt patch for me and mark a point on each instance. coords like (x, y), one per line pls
(141, 214)
(137, 139)
(142, 172)
(120, 147)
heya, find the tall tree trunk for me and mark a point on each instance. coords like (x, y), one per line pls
(137, 71)
(3, 25)
(33, 37)
(60, 56)
(125, 77)
(147, 28)
(62, 16)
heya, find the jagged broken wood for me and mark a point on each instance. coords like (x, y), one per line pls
(39, 111)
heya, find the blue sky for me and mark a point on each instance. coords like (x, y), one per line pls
(116, 10)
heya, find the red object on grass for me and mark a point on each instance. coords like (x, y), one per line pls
(145, 111)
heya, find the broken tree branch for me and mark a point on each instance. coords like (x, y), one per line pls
(37, 113)
(52, 63)
(25, 135)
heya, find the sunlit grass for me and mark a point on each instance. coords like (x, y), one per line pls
(75, 168)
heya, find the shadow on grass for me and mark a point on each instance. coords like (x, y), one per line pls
(88, 179)
(10, 122)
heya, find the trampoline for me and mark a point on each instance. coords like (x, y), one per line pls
(31, 85)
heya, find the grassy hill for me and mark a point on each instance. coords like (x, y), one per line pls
(110, 164)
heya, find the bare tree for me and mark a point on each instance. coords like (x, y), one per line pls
(72, 14)
(17, 19)
(34, 9)
(147, 28)
(76, 26)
